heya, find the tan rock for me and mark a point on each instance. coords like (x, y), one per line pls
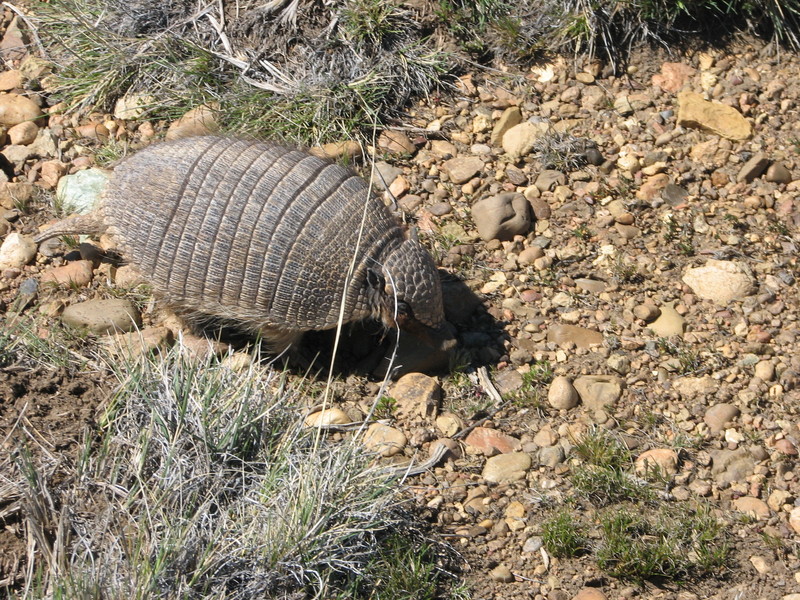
(202, 347)
(395, 142)
(777, 499)
(417, 395)
(794, 519)
(52, 171)
(518, 141)
(692, 387)
(503, 216)
(506, 468)
(647, 312)
(103, 316)
(10, 80)
(23, 133)
(138, 343)
(449, 424)
(16, 251)
(399, 187)
(127, 276)
(715, 117)
(755, 507)
(546, 437)
(663, 461)
(760, 564)
(580, 336)
(132, 106)
(718, 415)
(511, 116)
(15, 109)
(598, 392)
(764, 370)
(668, 323)
(561, 394)
(201, 120)
(443, 148)
(77, 274)
(385, 440)
(14, 193)
(778, 173)
(327, 416)
(652, 187)
(463, 168)
(336, 150)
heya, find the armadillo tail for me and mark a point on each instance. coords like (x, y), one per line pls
(80, 224)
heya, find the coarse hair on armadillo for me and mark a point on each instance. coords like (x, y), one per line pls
(262, 236)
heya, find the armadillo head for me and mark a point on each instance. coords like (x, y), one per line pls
(410, 276)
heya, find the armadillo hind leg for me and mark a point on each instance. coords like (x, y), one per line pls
(277, 340)
(78, 225)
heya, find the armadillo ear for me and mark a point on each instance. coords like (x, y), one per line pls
(375, 280)
(413, 234)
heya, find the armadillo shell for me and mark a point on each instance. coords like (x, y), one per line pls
(249, 232)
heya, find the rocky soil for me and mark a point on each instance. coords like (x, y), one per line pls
(630, 243)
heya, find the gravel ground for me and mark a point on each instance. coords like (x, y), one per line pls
(631, 253)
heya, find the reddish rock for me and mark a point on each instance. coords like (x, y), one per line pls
(492, 441)
(52, 171)
(78, 273)
(673, 76)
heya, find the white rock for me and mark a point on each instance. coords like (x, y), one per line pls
(720, 281)
(17, 251)
(519, 140)
(132, 106)
(81, 191)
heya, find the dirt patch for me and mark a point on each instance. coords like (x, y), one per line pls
(45, 419)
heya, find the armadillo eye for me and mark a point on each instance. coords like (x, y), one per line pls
(405, 314)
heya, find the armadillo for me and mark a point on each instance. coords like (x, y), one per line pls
(262, 236)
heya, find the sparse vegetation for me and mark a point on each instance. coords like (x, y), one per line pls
(606, 477)
(603, 486)
(561, 151)
(25, 342)
(638, 536)
(533, 390)
(204, 482)
(686, 359)
(666, 544)
(271, 73)
(385, 407)
(582, 232)
(563, 536)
